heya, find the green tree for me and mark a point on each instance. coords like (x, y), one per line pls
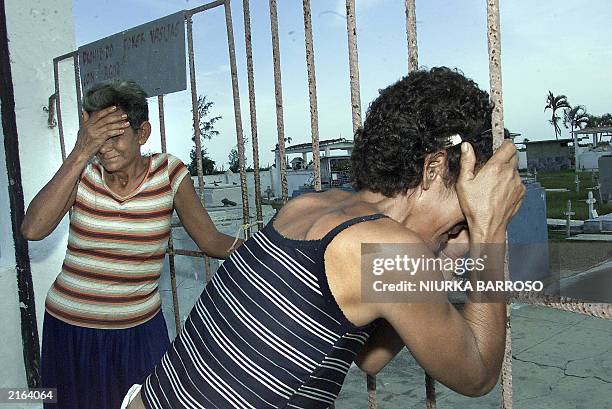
(603, 120)
(554, 103)
(207, 131)
(233, 161)
(208, 165)
(575, 118)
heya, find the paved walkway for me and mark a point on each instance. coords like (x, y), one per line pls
(561, 360)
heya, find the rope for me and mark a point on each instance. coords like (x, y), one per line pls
(245, 228)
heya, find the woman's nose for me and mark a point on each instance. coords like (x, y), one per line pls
(106, 146)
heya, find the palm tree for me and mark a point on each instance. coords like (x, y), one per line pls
(555, 103)
(575, 117)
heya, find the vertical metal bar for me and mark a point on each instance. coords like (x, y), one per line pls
(497, 126)
(162, 122)
(252, 108)
(60, 123)
(351, 28)
(430, 392)
(371, 386)
(194, 108)
(495, 79)
(411, 36)
(238, 117)
(278, 92)
(25, 287)
(312, 93)
(175, 304)
(77, 81)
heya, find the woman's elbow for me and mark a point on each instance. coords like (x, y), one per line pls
(480, 387)
(29, 233)
(368, 366)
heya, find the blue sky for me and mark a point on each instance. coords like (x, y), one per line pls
(557, 45)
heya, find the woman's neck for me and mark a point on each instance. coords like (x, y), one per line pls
(131, 174)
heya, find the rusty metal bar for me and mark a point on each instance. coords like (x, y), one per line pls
(598, 310)
(189, 253)
(411, 36)
(60, 124)
(203, 7)
(312, 93)
(194, 108)
(371, 386)
(430, 392)
(238, 118)
(351, 28)
(497, 127)
(252, 108)
(170, 250)
(278, 92)
(64, 56)
(77, 81)
(162, 122)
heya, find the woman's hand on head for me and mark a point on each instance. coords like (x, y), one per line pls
(97, 128)
(490, 197)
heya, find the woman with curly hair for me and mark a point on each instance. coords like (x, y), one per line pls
(284, 317)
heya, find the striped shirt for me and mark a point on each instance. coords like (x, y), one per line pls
(265, 333)
(116, 248)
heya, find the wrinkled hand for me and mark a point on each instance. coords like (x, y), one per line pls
(98, 128)
(492, 196)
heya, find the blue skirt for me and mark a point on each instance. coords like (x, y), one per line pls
(94, 368)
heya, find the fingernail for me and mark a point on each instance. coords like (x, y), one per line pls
(124, 116)
(113, 108)
(127, 123)
(464, 147)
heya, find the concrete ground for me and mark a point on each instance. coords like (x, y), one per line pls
(561, 360)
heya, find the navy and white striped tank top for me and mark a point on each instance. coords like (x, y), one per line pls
(265, 333)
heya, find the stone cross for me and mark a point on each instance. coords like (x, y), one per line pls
(568, 214)
(577, 182)
(268, 192)
(591, 201)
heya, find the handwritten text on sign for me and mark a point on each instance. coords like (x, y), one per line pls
(152, 54)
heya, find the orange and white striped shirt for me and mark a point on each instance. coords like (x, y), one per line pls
(116, 249)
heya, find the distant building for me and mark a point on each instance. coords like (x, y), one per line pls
(588, 152)
(549, 155)
(335, 157)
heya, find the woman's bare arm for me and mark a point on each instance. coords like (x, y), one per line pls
(198, 224)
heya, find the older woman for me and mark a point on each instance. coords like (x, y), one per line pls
(285, 316)
(103, 326)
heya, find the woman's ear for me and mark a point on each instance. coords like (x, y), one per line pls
(434, 168)
(144, 132)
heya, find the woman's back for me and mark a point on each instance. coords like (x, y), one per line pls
(267, 331)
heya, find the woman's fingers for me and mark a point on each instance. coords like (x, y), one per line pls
(98, 115)
(468, 162)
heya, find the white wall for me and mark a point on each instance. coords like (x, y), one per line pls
(589, 159)
(38, 31)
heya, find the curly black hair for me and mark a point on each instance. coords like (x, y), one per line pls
(415, 117)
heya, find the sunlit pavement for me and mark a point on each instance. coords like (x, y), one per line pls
(561, 360)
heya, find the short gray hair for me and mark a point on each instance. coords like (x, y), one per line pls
(127, 95)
